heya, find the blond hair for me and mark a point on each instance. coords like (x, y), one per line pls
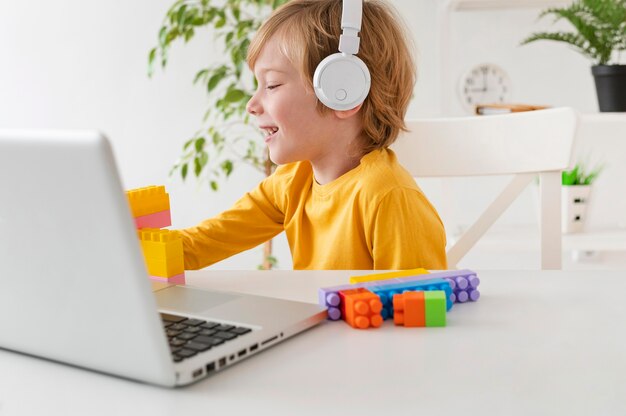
(309, 31)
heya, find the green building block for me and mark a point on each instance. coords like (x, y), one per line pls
(435, 302)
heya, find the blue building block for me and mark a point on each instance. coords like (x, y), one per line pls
(386, 292)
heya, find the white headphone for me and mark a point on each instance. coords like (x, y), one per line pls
(342, 80)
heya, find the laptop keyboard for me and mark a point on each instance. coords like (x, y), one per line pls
(187, 337)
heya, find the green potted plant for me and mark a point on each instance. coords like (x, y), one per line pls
(600, 34)
(229, 84)
(575, 195)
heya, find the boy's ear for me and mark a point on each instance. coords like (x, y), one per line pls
(344, 114)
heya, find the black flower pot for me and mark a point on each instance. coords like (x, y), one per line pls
(610, 86)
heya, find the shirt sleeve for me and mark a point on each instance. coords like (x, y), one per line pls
(252, 220)
(407, 233)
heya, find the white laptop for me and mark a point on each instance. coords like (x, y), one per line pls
(74, 287)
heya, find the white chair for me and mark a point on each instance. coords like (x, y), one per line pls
(522, 144)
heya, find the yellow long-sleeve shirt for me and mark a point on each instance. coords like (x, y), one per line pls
(372, 217)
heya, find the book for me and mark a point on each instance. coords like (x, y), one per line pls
(491, 109)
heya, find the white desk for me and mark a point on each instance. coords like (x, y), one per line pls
(536, 343)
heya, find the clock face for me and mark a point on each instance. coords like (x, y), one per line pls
(484, 84)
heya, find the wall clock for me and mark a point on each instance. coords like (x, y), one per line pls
(484, 84)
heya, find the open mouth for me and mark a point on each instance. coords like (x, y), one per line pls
(269, 132)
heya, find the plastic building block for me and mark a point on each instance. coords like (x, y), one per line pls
(409, 309)
(464, 286)
(362, 308)
(163, 252)
(159, 219)
(435, 308)
(179, 279)
(420, 308)
(386, 292)
(148, 200)
(329, 297)
(388, 275)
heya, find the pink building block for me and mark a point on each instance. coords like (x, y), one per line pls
(160, 219)
(179, 279)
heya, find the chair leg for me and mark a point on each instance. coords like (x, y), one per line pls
(488, 217)
(550, 195)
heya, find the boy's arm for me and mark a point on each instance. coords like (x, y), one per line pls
(408, 233)
(252, 220)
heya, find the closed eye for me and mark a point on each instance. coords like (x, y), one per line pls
(271, 87)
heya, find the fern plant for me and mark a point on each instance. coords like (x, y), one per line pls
(600, 28)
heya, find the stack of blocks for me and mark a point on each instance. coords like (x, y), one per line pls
(162, 249)
(420, 308)
(439, 291)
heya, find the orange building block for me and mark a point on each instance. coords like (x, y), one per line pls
(409, 309)
(148, 200)
(362, 308)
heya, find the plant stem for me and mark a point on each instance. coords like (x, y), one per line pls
(267, 246)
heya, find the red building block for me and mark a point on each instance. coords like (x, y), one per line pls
(362, 308)
(409, 309)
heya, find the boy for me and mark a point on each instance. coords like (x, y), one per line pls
(338, 192)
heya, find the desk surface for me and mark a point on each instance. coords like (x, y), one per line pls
(535, 343)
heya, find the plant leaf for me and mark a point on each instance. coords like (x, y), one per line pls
(183, 171)
(234, 95)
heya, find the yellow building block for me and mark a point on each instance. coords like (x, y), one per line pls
(148, 200)
(387, 275)
(163, 251)
(165, 268)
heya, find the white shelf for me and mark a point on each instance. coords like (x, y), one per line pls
(506, 4)
(604, 118)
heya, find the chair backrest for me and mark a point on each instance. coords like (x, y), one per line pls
(523, 144)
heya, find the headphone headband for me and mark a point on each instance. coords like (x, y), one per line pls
(351, 15)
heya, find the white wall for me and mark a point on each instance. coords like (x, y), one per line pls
(546, 73)
(82, 64)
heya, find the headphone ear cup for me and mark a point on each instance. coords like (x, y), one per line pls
(341, 81)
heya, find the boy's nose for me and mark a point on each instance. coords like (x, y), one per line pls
(253, 107)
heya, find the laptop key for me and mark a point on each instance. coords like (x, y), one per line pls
(172, 318)
(177, 342)
(171, 333)
(178, 327)
(167, 323)
(193, 329)
(240, 330)
(177, 358)
(225, 335)
(209, 325)
(208, 340)
(186, 336)
(207, 332)
(185, 353)
(194, 322)
(223, 327)
(197, 346)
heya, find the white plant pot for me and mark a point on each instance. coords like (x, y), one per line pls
(574, 205)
